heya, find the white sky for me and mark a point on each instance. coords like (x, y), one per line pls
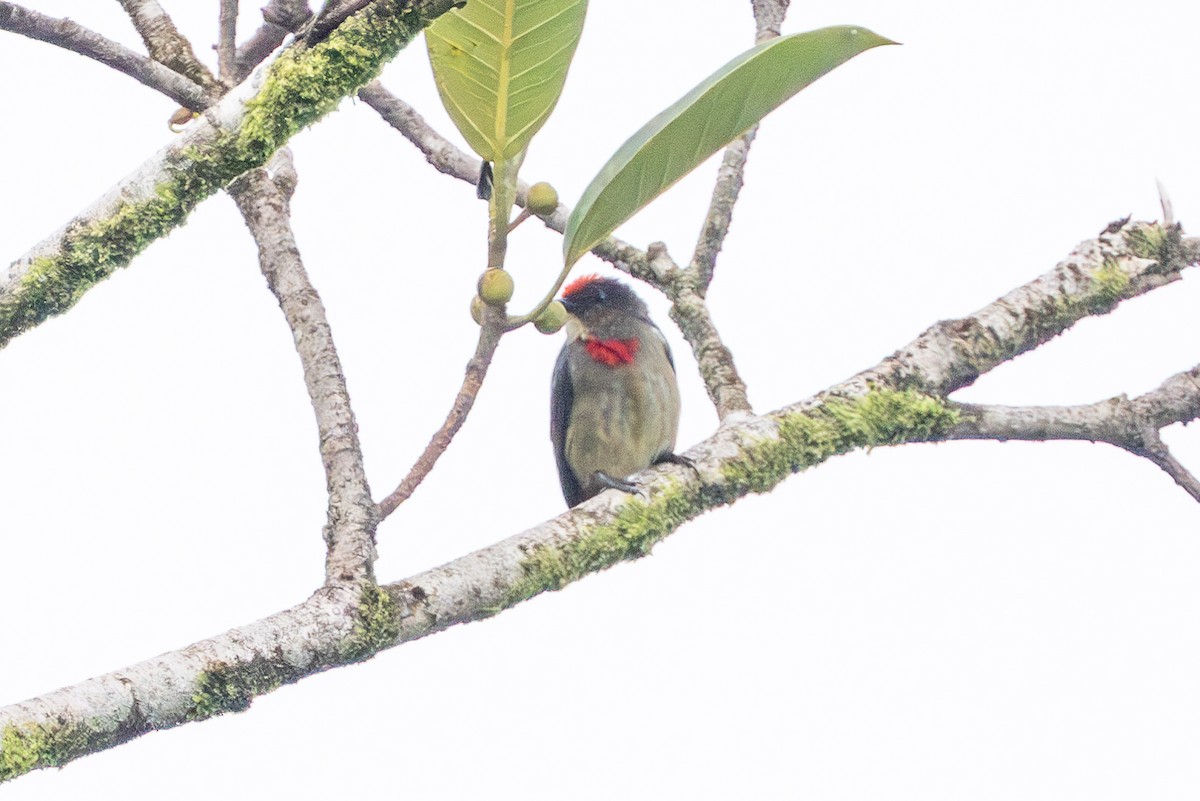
(932, 622)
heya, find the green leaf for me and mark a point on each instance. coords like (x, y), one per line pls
(721, 108)
(500, 67)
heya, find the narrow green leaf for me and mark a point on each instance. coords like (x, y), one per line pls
(500, 67)
(721, 108)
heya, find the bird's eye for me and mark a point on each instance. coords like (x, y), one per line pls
(601, 296)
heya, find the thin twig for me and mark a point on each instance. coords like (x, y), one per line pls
(477, 367)
(280, 17)
(350, 530)
(227, 42)
(1161, 456)
(1164, 200)
(166, 44)
(724, 385)
(332, 14)
(72, 36)
(768, 17)
(730, 178)
(437, 149)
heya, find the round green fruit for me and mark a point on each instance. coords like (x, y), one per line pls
(542, 198)
(477, 310)
(495, 287)
(551, 319)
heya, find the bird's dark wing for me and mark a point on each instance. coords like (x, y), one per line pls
(562, 395)
(662, 338)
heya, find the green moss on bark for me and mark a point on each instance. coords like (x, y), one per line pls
(1163, 244)
(30, 747)
(839, 425)
(638, 527)
(1111, 283)
(376, 624)
(226, 687)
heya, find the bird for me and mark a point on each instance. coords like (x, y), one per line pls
(614, 398)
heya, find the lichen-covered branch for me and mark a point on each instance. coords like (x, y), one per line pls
(166, 44)
(217, 675)
(352, 517)
(227, 42)
(1128, 259)
(725, 387)
(1133, 425)
(477, 367)
(899, 400)
(730, 177)
(768, 16)
(72, 36)
(239, 133)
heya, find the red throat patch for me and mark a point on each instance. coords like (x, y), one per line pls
(611, 352)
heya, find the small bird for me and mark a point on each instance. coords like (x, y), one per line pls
(614, 400)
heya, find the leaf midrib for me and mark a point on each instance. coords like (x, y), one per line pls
(501, 141)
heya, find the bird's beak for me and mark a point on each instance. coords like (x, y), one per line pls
(570, 306)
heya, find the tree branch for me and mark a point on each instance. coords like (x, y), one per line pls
(722, 381)
(227, 42)
(239, 133)
(768, 16)
(899, 400)
(74, 37)
(352, 517)
(1126, 260)
(167, 45)
(729, 182)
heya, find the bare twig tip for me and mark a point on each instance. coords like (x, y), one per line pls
(1164, 200)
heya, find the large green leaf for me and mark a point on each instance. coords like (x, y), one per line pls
(500, 67)
(725, 105)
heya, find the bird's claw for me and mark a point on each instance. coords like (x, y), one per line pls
(675, 458)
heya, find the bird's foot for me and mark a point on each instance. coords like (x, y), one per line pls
(616, 483)
(675, 458)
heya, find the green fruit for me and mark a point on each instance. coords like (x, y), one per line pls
(495, 287)
(542, 198)
(551, 319)
(477, 310)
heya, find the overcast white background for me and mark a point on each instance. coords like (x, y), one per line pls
(957, 621)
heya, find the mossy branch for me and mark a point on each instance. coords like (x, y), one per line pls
(241, 132)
